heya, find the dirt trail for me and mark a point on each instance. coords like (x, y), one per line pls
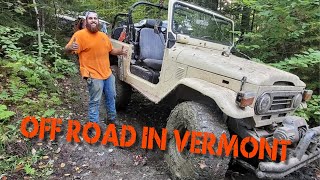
(84, 161)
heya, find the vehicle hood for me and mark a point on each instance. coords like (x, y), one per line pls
(235, 67)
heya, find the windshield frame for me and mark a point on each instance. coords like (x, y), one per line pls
(205, 11)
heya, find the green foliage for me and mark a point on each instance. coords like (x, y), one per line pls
(305, 65)
(10, 163)
(29, 170)
(313, 110)
(4, 113)
(49, 113)
(28, 85)
(42, 106)
(25, 64)
(64, 66)
(16, 90)
(107, 9)
(281, 28)
(8, 132)
(14, 14)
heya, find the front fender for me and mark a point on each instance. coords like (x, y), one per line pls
(225, 98)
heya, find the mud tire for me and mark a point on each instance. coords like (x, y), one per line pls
(123, 90)
(194, 116)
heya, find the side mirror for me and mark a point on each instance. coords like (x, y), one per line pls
(171, 40)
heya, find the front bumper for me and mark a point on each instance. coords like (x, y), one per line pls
(306, 151)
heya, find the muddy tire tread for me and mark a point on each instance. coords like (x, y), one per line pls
(196, 117)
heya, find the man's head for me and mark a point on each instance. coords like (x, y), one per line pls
(92, 21)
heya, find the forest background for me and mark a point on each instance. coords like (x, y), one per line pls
(284, 34)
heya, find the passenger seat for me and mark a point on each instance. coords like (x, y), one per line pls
(151, 48)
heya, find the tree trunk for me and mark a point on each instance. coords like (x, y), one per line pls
(252, 21)
(39, 29)
(43, 26)
(56, 27)
(245, 20)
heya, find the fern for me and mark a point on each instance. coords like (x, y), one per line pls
(49, 113)
(4, 113)
(18, 90)
(4, 95)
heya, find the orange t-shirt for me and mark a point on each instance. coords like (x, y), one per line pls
(93, 53)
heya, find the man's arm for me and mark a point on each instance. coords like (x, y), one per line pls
(118, 51)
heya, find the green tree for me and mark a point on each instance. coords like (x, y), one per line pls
(281, 29)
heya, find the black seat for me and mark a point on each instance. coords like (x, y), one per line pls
(116, 33)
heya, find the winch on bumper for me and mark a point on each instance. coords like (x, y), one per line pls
(307, 150)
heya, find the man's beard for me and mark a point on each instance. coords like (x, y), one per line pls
(92, 29)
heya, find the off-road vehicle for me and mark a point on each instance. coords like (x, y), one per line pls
(182, 56)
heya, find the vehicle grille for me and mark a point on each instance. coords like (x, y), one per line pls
(281, 102)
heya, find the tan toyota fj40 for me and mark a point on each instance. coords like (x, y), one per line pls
(182, 57)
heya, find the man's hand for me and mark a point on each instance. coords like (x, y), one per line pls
(123, 51)
(119, 51)
(73, 47)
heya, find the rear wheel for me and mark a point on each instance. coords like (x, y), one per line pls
(192, 116)
(123, 90)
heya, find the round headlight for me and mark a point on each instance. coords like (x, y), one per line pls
(297, 100)
(263, 104)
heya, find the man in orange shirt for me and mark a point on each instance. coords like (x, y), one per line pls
(93, 48)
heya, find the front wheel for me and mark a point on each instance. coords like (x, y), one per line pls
(192, 116)
(123, 90)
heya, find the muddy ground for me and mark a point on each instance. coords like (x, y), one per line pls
(84, 161)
